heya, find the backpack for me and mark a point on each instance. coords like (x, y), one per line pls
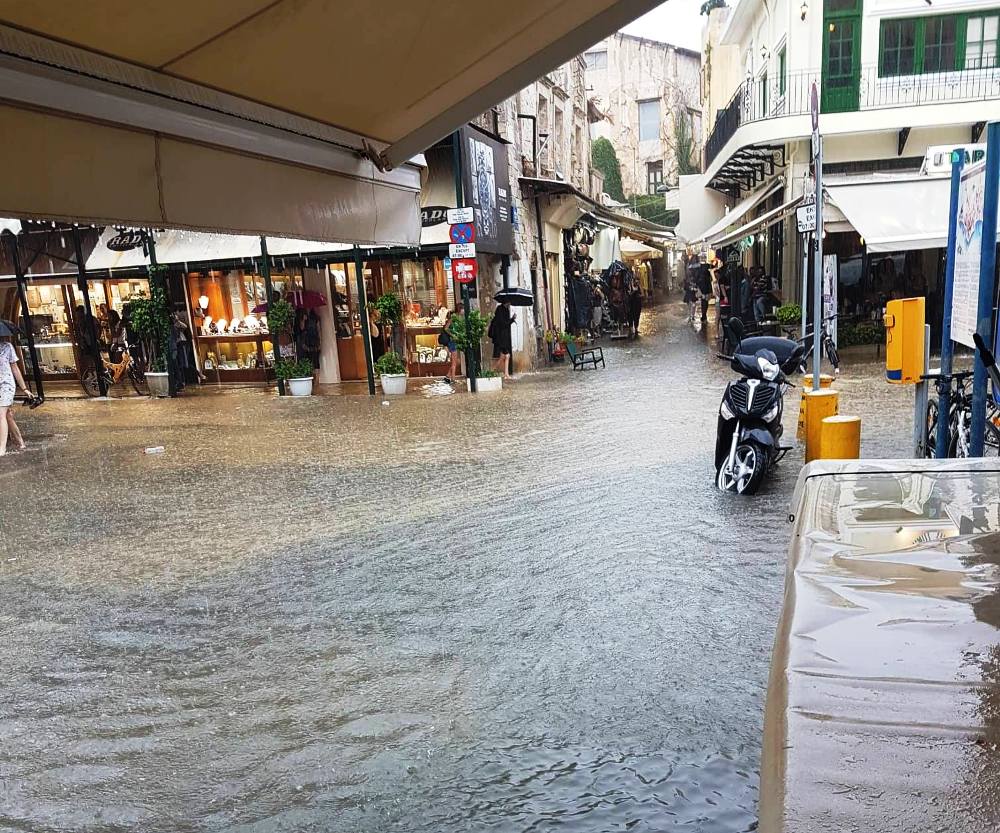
(443, 338)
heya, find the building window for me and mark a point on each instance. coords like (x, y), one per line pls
(649, 120)
(654, 176)
(899, 47)
(764, 103)
(782, 70)
(596, 59)
(940, 40)
(981, 35)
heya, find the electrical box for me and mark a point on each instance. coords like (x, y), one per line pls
(904, 341)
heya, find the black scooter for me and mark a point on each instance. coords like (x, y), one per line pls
(747, 441)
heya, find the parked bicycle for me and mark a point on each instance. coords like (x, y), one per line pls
(959, 417)
(827, 346)
(116, 371)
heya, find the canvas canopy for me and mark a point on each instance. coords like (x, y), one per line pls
(251, 116)
(738, 212)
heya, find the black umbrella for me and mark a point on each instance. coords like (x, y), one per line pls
(516, 296)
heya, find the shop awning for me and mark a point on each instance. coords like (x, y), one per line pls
(261, 116)
(192, 247)
(894, 215)
(757, 224)
(739, 211)
(634, 249)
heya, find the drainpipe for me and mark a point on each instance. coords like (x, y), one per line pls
(538, 215)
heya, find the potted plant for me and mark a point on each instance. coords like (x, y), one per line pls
(280, 314)
(298, 375)
(150, 320)
(468, 335)
(788, 314)
(390, 313)
(488, 381)
(392, 373)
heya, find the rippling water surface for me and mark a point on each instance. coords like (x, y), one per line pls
(521, 612)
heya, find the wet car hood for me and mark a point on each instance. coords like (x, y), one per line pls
(883, 708)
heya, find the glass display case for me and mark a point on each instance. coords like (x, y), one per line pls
(428, 295)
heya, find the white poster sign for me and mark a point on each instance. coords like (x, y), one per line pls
(830, 292)
(968, 249)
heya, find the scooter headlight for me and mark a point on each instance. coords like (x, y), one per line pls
(725, 411)
(772, 412)
(769, 370)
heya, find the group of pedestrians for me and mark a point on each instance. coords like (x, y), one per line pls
(499, 333)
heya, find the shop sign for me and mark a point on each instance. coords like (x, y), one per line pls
(805, 217)
(734, 257)
(126, 241)
(461, 215)
(486, 186)
(433, 215)
(465, 269)
(461, 250)
(447, 264)
(462, 233)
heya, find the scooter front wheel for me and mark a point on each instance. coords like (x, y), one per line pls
(747, 471)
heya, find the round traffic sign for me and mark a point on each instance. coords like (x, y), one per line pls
(462, 233)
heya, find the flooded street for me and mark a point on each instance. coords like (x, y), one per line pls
(519, 612)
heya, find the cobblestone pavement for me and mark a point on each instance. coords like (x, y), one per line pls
(513, 612)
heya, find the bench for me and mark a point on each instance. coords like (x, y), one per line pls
(585, 358)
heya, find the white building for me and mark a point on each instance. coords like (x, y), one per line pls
(648, 92)
(895, 78)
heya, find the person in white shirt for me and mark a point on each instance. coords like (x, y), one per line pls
(10, 380)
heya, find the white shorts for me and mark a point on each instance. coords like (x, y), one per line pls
(6, 394)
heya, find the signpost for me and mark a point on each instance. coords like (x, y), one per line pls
(465, 269)
(461, 215)
(461, 250)
(462, 233)
(817, 149)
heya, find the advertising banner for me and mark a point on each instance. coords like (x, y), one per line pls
(830, 292)
(486, 181)
(968, 249)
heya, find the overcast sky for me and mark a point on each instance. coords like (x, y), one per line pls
(676, 21)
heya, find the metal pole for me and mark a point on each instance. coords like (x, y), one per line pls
(265, 273)
(366, 336)
(818, 267)
(88, 315)
(987, 281)
(947, 347)
(921, 395)
(806, 244)
(470, 353)
(15, 258)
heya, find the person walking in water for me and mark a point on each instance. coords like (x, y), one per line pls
(10, 380)
(447, 339)
(499, 334)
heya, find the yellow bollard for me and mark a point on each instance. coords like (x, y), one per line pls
(822, 404)
(825, 380)
(840, 438)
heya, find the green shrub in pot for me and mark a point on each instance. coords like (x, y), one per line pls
(390, 364)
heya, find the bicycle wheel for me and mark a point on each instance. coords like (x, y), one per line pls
(137, 376)
(961, 435)
(930, 440)
(833, 355)
(88, 380)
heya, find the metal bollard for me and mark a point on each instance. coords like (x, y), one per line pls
(840, 438)
(821, 404)
(825, 380)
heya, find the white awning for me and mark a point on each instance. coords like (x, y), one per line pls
(633, 249)
(739, 211)
(181, 246)
(261, 116)
(895, 215)
(769, 218)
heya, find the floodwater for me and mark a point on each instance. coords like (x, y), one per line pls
(512, 612)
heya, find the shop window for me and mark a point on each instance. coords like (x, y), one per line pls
(654, 176)
(596, 59)
(981, 34)
(898, 55)
(649, 120)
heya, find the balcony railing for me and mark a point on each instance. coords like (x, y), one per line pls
(757, 100)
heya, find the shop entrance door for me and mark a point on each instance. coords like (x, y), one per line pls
(841, 56)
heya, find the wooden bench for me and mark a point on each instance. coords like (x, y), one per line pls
(585, 358)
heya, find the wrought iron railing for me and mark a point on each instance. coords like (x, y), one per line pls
(758, 99)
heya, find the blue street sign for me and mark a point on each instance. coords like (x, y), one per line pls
(462, 233)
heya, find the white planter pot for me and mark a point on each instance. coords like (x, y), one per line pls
(159, 384)
(487, 384)
(301, 387)
(394, 384)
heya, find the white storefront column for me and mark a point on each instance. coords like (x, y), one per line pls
(318, 280)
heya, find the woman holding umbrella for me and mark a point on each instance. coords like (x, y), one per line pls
(10, 380)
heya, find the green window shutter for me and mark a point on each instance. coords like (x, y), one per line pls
(782, 70)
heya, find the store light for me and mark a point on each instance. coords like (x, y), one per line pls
(803, 9)
(203, 302)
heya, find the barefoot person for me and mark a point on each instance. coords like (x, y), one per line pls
(10, 380)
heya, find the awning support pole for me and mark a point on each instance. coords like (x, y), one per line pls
(88, 314)
(470, 352)
(265, 273)
(158, 277)
(987, 282)
(366, 336)
(947, 346)
(22, 296)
